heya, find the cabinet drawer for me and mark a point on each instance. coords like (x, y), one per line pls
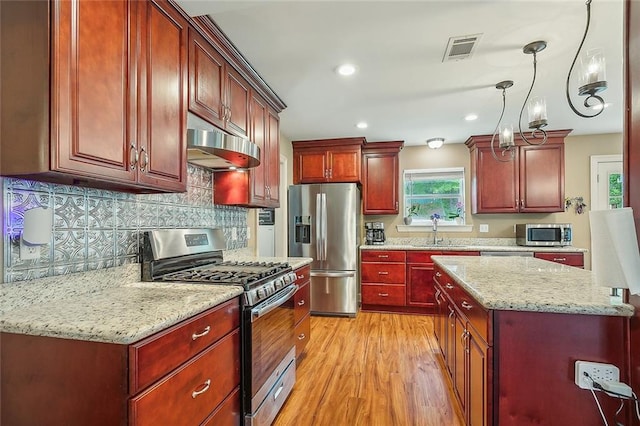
(189, 394)
(384, 273)
(301, 303)
(156, 355)
(382, 256)
(422, 256)
(476, 315)
(571, 259)
(303, 275)
(302, 333)
(392, 295)
(228, 413)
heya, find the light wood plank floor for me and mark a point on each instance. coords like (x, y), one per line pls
(374, 370)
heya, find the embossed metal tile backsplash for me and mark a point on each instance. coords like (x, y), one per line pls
(94, 229)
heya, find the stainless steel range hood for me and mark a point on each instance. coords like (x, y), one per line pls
(211, 148)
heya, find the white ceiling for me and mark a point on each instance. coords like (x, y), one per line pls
(402, 87)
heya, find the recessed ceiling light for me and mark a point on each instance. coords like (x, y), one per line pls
(362, 125)
(471, 117)
(346, 69)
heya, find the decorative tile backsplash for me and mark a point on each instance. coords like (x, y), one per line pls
(94, 229)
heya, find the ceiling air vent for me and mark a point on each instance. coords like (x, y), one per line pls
(461, 47)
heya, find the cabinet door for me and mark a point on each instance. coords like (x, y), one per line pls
(495, 184)
(477, 396)
(93, 100)
(273, 159)
(344, 165)
(542, 178)
(162, 98)
(438, 319)
(420, 285)
(380, 188)
(237, 103)
(310, 167)
(459, 365)
(257, 136)
(206, 80)
(450, 354)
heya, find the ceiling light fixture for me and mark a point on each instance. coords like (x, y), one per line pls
(537, 107)
(471, 117)
(362, 125)
(435, 143)
(346, 69)
(593, 75)
(505, 132)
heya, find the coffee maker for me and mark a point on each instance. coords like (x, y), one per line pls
(374, 233)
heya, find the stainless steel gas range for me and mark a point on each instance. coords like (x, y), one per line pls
(267, 327)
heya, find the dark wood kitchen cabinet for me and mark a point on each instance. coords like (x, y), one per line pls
(187, 374)
(259, 186)
(95, 102)
(420, 284)
(382, 273)
(217, 92)
(327, 160)
(572, 259)
(380, 175)
(532, 183)
(302, 310)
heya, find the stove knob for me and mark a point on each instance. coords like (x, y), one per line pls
(260, 293)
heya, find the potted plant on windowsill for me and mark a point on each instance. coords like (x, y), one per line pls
(411, 211)
(458, 215)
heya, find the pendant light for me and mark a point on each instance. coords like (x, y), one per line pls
(592, 77)
(537, 107)
(505, 132)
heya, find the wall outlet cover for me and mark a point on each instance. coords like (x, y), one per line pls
(484, 227)
(598, 372)
(28, 251)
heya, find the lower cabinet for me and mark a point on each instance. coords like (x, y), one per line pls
(188, 374)
(301, 309)
(572, 259)
(511, 368)
(399, 280)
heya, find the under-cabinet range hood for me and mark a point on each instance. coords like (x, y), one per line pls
(216, 150)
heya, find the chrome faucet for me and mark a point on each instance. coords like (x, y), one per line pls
(436, 240)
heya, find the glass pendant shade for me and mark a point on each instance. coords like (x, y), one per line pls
(593, 76)
(537, 109)
(506, 136)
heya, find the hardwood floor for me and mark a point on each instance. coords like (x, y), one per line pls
(375, 369)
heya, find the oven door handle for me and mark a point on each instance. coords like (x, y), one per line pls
(270, 304)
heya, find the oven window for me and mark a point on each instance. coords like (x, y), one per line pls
(271, 340)
(544, 234)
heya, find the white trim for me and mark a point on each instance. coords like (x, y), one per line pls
(429, 228)
(595, 161)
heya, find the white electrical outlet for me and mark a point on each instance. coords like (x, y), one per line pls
(599, 372)
(28, 251)
(484, 227)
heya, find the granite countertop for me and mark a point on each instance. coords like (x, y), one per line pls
(109, 305)
(530, 284)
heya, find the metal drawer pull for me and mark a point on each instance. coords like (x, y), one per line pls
(449, 286)
(383, 256)
(300, 277)
(302, 337)
(383, 273)
(466, 305)
(275, 395)
(204, 332)
(383, 294)
(301, 303)
(438, 274)
(203, 390)
(559, 259)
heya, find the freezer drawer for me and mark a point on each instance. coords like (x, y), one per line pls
(334, 293)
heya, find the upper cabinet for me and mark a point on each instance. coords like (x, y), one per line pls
(533, 182)
(380, 175)
(95, 101)
(327, 160)
(217, 92)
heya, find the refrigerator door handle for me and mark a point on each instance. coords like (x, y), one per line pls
(319, 226)
(333, 274)
(324, 226)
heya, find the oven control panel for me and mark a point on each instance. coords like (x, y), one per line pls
(256, 295)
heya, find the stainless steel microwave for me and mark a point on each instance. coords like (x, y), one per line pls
(543, 234)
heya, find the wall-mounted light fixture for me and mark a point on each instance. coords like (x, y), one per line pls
(435, 143)
(504, 131)
(592, 78)
(537, 107)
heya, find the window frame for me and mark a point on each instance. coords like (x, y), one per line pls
(417, 221)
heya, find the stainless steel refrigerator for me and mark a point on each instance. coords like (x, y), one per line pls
(323, 225)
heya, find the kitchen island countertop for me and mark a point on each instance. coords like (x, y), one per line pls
(530, 284)
(445, 247)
